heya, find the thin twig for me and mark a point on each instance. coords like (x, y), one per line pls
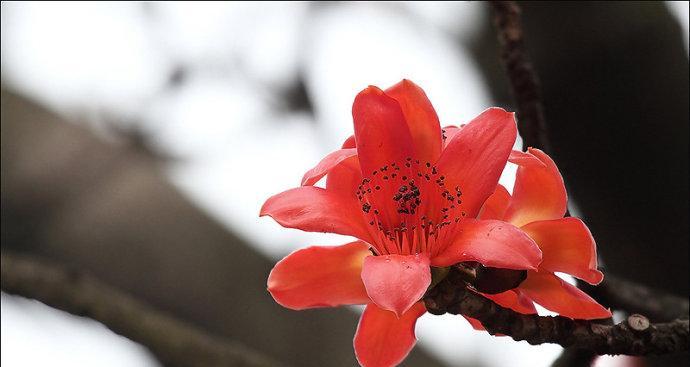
(634, 336)
(523, 79)
(174, 342)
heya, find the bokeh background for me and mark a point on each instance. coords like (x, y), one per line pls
(139, 141)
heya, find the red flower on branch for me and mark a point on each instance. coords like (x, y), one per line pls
(411, 195)
(537, 206)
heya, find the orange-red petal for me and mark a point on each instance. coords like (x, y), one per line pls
(492, 243)
(320, 276)
(383, 139)
(475, 157)
(381, 131)
(449, 133)
(567, 246)
(514, 300)
(396, 282)
(539, 192)
(349, 142)
(331, 160)
(524, 159)
(345, 177)
(555, 294)
(476, 324)
(496, 205)
(421, 118)
(314, 209)
(384, 340)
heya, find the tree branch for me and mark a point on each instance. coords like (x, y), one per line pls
(523, 80)
(635, 336)
(174, 342)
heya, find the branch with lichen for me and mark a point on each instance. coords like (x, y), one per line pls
(172, 341)
(634, 336)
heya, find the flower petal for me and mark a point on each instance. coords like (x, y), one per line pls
(381, 131)
(349, 143)
(449, 133)
(314, 209)
(567, 246)
(557, 295)
(496, 205)
(396, 282)
(382, 339)
(539, 192)
(327, 163)
(524, 159)
(492, 243)
(320, 276)
(476, 324)
(383, 139)
(421, 118)
(514, 300)
(345, 177)
(475, 157)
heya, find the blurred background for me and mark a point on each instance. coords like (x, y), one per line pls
(139, 141)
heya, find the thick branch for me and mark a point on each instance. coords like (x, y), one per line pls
(174, 342)
(635, 336)
(523, 80)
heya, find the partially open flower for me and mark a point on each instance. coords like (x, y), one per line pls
(537, 206)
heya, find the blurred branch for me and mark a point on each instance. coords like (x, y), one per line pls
(624, 295)
(523, 79)
(174, 342)
(634, 336)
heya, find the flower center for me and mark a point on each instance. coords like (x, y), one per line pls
(409, 208)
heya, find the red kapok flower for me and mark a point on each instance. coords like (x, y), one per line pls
(537, 206)
(411, 196)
